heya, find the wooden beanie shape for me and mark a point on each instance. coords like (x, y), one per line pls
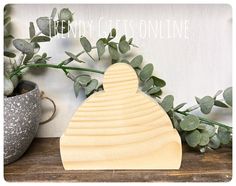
(120, 128)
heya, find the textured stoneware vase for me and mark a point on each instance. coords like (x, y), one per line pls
(21, 120)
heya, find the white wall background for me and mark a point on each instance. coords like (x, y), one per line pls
(195, 64)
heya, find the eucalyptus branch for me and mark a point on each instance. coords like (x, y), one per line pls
(205, 120)
(53, 66)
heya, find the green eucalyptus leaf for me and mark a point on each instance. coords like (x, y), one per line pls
(214, 142)
(31, 30)
(65, 14)
(224, 135)
(86, 44)
(206, 104)
(159, 82)
(146, 72)
(63, 27)
(217, 93)
(47, 26)
(124, 46)
(9, 54)
(176, 123)
(23, 46)
(124, 61)
(201, 127)
(197, 100)
(77, 88)
(220, 104)
(123, 38)
(179, 106)
(112, 48)
(39, 39)
(189, 123)
(91, 87)
(130, 41)
(148, 84)
(193, 138)
(167, 103)
(73, 57)
(53, 14)
(137, 61)
(153, 90)
(28, 57)
(83, 79)
(100, 48)
(228, 96)
(113, 32)
(204, 139)
(211, 130)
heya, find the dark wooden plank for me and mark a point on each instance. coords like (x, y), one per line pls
(42, 162)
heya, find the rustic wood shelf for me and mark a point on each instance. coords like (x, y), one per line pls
(42, 162)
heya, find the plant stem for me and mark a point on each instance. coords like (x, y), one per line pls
(206, 121)
(42, 65)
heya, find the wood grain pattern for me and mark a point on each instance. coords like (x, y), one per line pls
(42, 162)
(120, 128)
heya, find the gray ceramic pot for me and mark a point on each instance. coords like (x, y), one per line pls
(21, 120)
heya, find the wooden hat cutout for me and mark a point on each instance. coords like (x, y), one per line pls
(120, 128)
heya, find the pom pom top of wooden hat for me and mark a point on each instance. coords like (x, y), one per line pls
(120, 78)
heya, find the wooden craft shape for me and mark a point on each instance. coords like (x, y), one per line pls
(120, 128)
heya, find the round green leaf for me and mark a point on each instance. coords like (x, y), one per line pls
(206, 104)
(53, 14)
(112, 48)
(179, 106)
(159, 82)
(91, 87)
(83, 79)
(189, 123)
(86, 44)
(77, 88)
(113, 32)
(211, 130)
(148, 84)
(31, 30)
(153, 90)
(204, 139)
(220, 104)
(214, 142)
(124, 46)
(9, 54)
(146, 72)
(66, 15)
(137, 61)
(23, 46)
(47, 26)
(224, 135)
(40, 39)
(193, 138)
(167, 103)
(100, 47)
(228, 96)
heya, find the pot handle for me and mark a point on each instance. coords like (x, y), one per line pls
(54, 108)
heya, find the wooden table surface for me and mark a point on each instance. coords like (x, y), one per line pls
(42, 162)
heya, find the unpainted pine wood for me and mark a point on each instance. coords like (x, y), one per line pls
(42, 162)
(120, 128)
